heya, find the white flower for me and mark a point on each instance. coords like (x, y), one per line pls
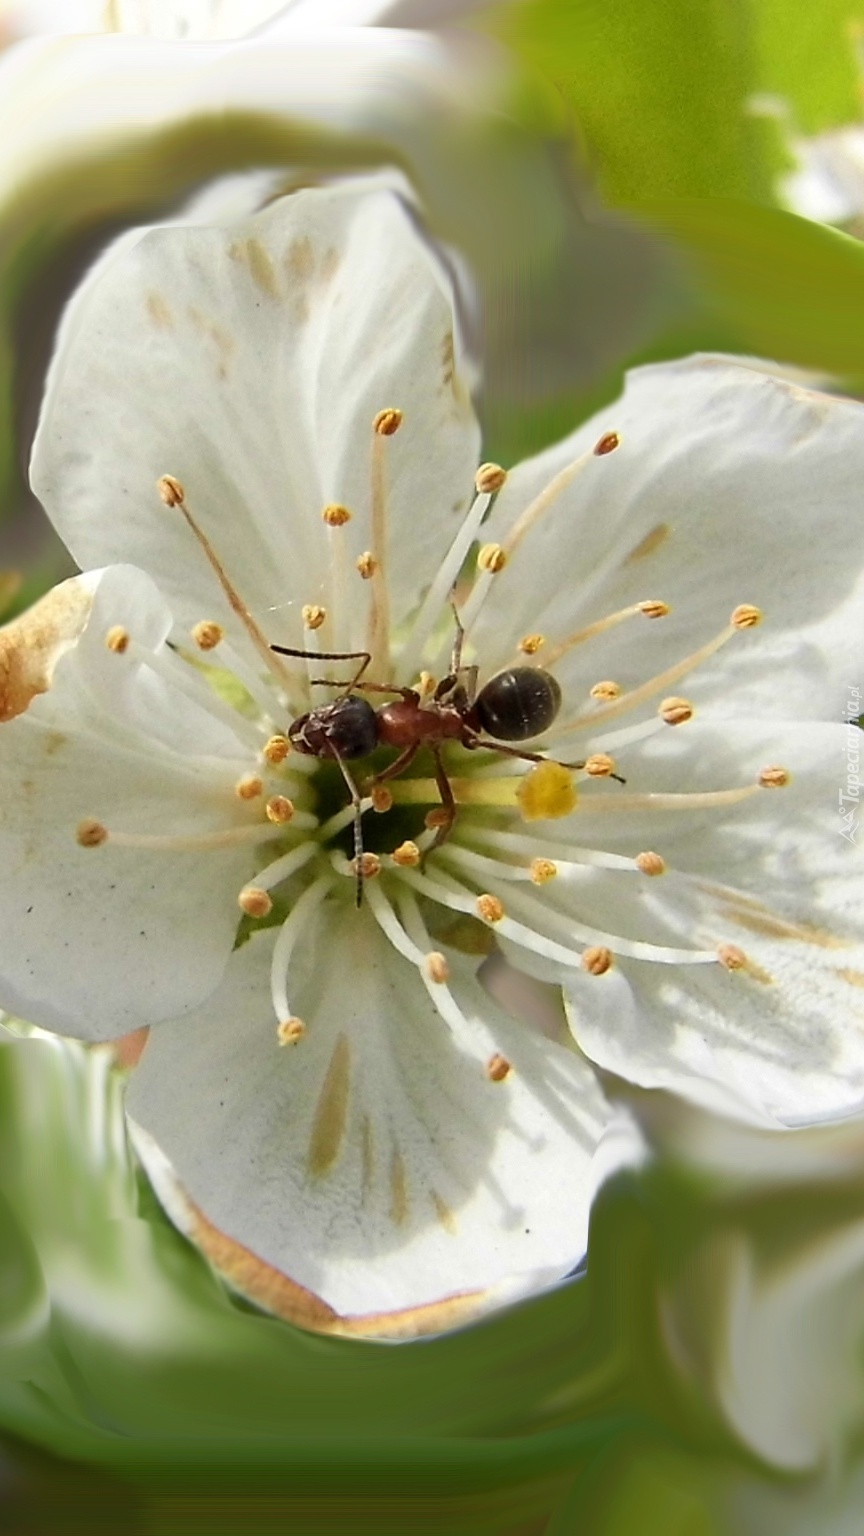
(413, 1139)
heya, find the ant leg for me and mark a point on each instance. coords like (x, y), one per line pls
(396, 767)
(529, 757)
(448, 802)
(358, 826)
(364, 657)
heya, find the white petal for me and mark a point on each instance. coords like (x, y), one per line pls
(250, 364)
(776, 878)
(374, 1161)
(728, 487)
(100, 940)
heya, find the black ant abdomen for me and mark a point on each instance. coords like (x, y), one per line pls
(516, 704)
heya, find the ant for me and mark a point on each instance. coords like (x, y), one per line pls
(514, 705)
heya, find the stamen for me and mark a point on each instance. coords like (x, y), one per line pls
(279, 809)
(285, 866)
(290, 1031)
(249, 787)
(530, 847)
(276, 749)
(313, 615)
(436, 598)
(489, 908)
(437, 968)
(186, 680)
(774, 778)
(336, 823)
(600, 765)
(289, 933)
(650, 608)
(387, 421)
(491, 559)
(498, 1068)
(650, 863)
(489, 479)
(597, 960)
(335, 515)
(406, 856)
(91, 834)
(254, 901)
(382, 799)
(529, 645)
(745, 616)
(607, 444)
(368, 866)
(383, 427)
(653, 685)
(208, 634)
(675, 711)
(465, 1030)
(117, 639)
(543, 870)
(367, 565)
(173, 495)
(606, 691)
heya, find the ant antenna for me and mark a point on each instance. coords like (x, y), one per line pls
(358, 826)
(364, 657)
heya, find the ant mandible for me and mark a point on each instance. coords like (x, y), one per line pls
(514, 705)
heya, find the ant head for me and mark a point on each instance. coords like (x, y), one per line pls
(347, 728)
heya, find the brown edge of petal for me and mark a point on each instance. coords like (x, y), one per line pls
(31, 645)
(275, 1292)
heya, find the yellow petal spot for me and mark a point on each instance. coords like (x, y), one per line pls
(208, 634)
(279, 809)
(331, 1111)
(313, 615)
(407, 855)
(529, 645)
(654, 608)
(676, 711)
(254, 901)
(774, 777)
(387, 421)
(382, 798)
(367, 565)
(289, 1031)
(90, 833)
(437, 968)
(546, 793)
(369, 866)
(543, 870)
(651, 863)
(492, 559)
(249, 787)
(746, 616)
(335, 515)
(276, 749)
(489, 479)
(117, 639)
(607, 444)
(597, 960)
(171, 491)
(605, 691)
(599, 765)
(498, 1068)
(490, 909)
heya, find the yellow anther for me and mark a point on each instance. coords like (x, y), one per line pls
(489, 908)
(650, 863)
(90, 833)
(369, 866)
(732, 957)
(597, 960)
(676, 711)
(605, 691)
(599, 765)
(387, 421)
(249, 787)
(382, 798)
(276, 750)
(171, 491)
(654, 608)
(279, 809)
(607, 444)
(437, 968)
(774, 777)
(492, 559)
(117, 639)
(313, 615)
(407, 855)
(529, 645)
(335, 515)
(208, 634)
(497, 1068)
(367, 565)
(489, 479)
(546, 793)
(746, 616)
(437, 817)
(254, 901)
(289, 1031)
(543, 870)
